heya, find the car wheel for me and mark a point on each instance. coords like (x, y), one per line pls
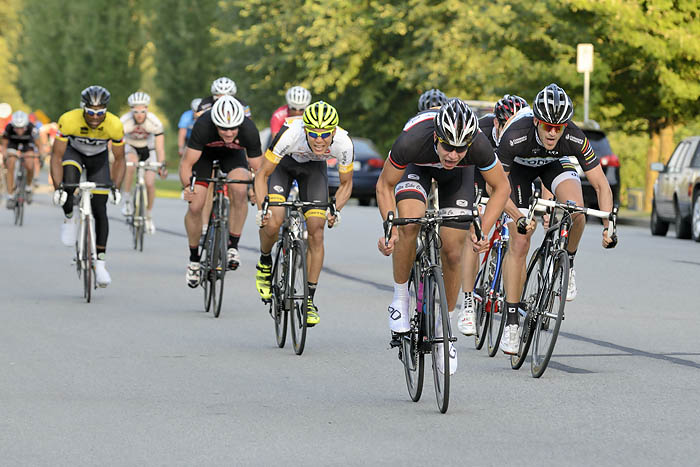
(658, 227)
(682, 225)
(695, 220)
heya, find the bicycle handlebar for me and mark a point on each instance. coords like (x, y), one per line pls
(298, 204)
(146, 165)
(391, 221)
(85, 185)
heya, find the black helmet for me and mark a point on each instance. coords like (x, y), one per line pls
(553, 106)
(94, 96)
(507, 106)
(455, 123)
(431, 98)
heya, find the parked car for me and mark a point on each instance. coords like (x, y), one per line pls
(677, 192)
(367, 167)
(609, 162)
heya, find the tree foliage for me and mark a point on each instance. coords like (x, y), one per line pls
(67, 46)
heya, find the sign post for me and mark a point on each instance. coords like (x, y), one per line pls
(584, 64)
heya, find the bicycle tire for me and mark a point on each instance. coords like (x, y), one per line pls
(142, 217)
(529, 300)
(278, 289)
(218, 270)
(19, 198)
(204, 268)
(89, 270)
(298, 295)
(494, 303)
(481, 321)
(545, 339)
(434, 288)
(411, 356)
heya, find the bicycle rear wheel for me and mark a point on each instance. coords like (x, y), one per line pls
(528, 302)
(480, 291)
(434, 289)
(278, 287)
(218, 269)
(298, 295)
(551, 314)
(494, 301)
(411, 356)
(141, 212)
(89, 269)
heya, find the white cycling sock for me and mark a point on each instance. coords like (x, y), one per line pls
(127, 196)
(400, 290)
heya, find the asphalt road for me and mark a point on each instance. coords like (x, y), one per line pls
(142, 376)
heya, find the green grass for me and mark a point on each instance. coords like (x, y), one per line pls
(168, 188)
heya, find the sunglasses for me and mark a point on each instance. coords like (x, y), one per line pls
(548, 127)
(227, 130)
(317, 134)
(296, 108)
(449, 148)
(139, 111)
(94, 113)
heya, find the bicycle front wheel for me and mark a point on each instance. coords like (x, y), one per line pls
(204, 265)
(217, 272)
(481, 288)
(278, 290)
(140, 211)
(19, 201)
(439, 316)
(494, 301)
(89, 268)
(551, 313)
(411, 356)
(529, 304)
(298, 295)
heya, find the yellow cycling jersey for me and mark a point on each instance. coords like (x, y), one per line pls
(73, 128)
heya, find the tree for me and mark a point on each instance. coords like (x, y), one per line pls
(67, 46)
(186, 57)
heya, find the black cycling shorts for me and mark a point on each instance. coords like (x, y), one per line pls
(456, 192)
(96, 167)
(312, 178)
(228, 160)
(522, 178)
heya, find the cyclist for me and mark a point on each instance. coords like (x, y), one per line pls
(298, 98)
(221, 87)
(143, 133)
(539, 143)
(22, 136)
(492, 126)
(225, 134)
(300, 152)
(431, 99)
(444, 144)
(185, 125)
(81, 144)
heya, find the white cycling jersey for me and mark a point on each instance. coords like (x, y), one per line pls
(141, 135)
(291, 141)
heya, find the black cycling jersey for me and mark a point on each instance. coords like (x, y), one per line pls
(416, 145)
(23, 142)
(487, 127)
(520, 144)
(205, 137)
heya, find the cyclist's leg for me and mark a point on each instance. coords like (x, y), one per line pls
(131, 156)
(29, 162)
(236, 167)
(150, 178)
(72, 169)
(470, 268)
(411, 201)
(515, 261)
(97, 170)
(10, 173)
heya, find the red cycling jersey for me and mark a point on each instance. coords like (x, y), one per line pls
(278, 118)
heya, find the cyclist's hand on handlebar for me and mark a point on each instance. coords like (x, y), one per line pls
(260, 220)
(524, 227)
(59, 197)
(387, 248)
(609, 242)
(163, 171)
(188, 195)
(115, 196)
(332, 220)
(479, 246)
(251, 196)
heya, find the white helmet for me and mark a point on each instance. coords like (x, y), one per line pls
(455, 123)
(227, 112)
(139, 98)
(223, 87)
(194, 105)
(20, 119)
(298, 97)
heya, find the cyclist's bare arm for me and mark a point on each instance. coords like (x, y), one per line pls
(500, 193)
(342, 195)
(386, 202)
(262, 175)
(119, 166)
(600, 184)
(160, 148)
(59, 148)
(181, 135)
(3, 148)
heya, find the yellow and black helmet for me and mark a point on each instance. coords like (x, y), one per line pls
(321, 115)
